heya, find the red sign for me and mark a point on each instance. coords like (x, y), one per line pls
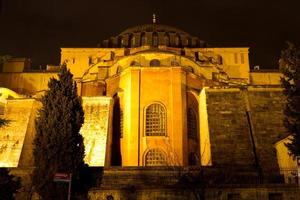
(62, 177)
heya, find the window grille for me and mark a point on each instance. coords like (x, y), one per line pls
(192, 124)
(155, 157)
(155, 120)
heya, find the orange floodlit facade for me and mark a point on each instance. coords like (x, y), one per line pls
(156, 96)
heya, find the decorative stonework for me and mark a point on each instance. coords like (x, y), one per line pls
(95, 129)
(12, 136)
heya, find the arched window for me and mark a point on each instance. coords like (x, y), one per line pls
(155, 157)
(192, 124)
(167, 40)
(155, 39)
(155, 120)
(177, 40)
(154, 63)
(132, 40)
(143, 39)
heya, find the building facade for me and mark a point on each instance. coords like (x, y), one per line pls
(156, 96)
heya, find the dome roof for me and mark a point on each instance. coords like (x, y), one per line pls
(153, 35)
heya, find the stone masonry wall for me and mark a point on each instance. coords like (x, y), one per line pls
(230, 127)
(266, 109)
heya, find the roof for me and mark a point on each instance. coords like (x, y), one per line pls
(153, 35)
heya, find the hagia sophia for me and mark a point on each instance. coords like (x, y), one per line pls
(157, 98)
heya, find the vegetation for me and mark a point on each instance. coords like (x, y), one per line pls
(3, 122)
(9, 184)
(58, 144)
(290, 67)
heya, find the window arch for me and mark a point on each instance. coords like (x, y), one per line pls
(192, 124)
(155, 157)
(154, 63)
(155, 120)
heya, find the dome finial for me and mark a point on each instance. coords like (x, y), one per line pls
(154, 18)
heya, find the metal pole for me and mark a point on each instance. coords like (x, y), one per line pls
(69, 191)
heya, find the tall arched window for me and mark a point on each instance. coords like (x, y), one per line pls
(155, 120)
(192, 124)
(155, 157)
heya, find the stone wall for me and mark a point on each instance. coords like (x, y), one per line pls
(229, 128)
(235, 114)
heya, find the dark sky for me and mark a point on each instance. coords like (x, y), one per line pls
(38, 28)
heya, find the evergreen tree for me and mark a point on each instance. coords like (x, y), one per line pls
(9, 185)
(290, 68)
(58, 144)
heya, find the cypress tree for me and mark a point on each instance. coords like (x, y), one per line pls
(58, 144)
(290, 68)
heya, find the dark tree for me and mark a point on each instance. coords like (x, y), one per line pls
(3, 122)
(290, 68)
(58, 144)
(9, 184)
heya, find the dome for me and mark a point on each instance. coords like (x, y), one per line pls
(153, 35)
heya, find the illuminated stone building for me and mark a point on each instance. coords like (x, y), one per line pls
(156, 96)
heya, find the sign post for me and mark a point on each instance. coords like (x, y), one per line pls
(298, 169)
(63, 177)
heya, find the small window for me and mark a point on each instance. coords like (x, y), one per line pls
(235, 58)
(167, 40)
(155, 157)
(133, 41)
(177, 40)
(242, 58)
(234, 196)
(90, 60)
(73, 60)
(155, 40)
(143, 39)
(154, 63)
(155, 120)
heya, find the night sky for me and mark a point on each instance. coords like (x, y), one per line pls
(38, 28)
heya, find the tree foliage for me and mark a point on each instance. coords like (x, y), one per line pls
(290, 68)
(58, 144)
(9, 185)
(3, 122)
